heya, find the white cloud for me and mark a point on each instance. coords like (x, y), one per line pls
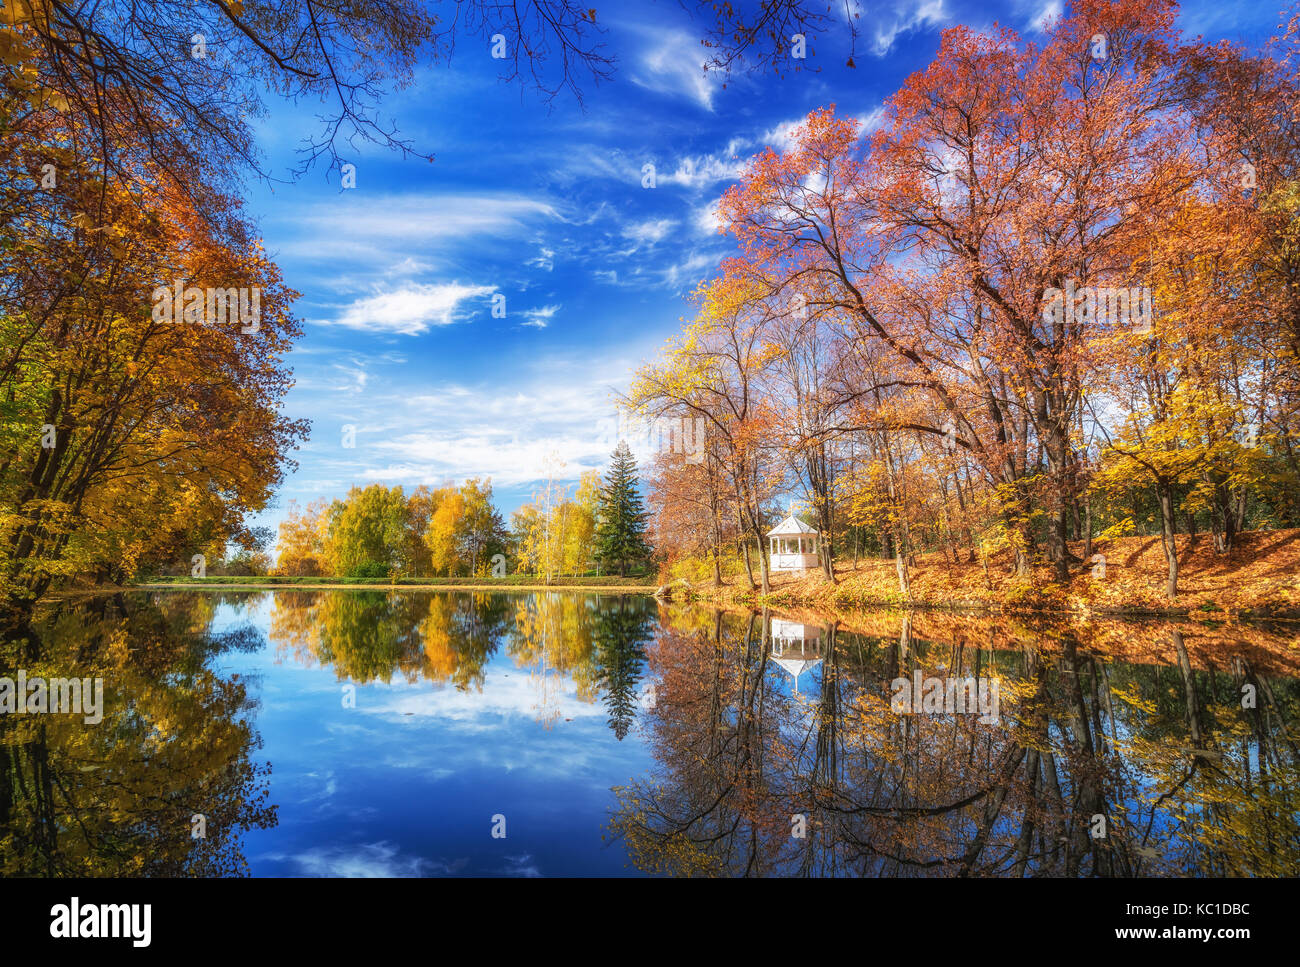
(674, 64)
(464, 431)
(706, 219)
(363, 860)
(410, 310)
(701, 171)
(1051, 10)
(781, 136)
(540, 318)
(545, 259)
(505, 695)
(691, 270)
(356, 374)
(373, 229)
(408, 266)
(696, 172)
(650, 231)
(906, 17)
(870, 121)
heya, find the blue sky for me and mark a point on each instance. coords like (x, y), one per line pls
(545, 206)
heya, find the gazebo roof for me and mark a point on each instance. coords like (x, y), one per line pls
(791, 525)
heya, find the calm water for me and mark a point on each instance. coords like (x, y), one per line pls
(342, 733)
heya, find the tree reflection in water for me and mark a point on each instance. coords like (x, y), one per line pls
(1140, 763)
(177, 739)
(119, 798)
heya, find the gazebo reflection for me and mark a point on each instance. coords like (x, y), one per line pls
(796, 647)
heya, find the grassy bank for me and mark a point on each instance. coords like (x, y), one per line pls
(513, 582)
(1258, 578)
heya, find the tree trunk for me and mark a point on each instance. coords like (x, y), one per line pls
(1165, 492)
(717, 546)
(1060, 548)
(749, 567)
(1087, 528)
(904, 584)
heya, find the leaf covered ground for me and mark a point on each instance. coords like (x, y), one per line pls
(1259, 577)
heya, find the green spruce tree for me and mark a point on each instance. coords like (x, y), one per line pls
(620, 533)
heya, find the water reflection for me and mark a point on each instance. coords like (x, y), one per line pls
(763, 744)
(796, 647)
(1121, 750)
(120, 798)
(178, 749)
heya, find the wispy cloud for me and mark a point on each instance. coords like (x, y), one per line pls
(885, 27)
(486, 429)
(704, 171)
(371, 228)
(544, 259)
(411, 309)
(690, 270)
(706, 219)
(364, 860)
(780, 136)
(541, 317)
(355, 376)
(673, 64)
(1051, 10)
(649, 231)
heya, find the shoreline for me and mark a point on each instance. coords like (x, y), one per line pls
(832, 605)
(1258, 580)
(250, 586)
(828, 605)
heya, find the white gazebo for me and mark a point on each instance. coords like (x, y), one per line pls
(793, 545)
(796, 647)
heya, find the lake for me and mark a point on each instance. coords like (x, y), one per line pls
(377, 733)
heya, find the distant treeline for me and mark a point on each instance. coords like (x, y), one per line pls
(382, 533)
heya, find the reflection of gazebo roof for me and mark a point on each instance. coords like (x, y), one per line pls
(791, 525)
(797, 666)
(795, 647)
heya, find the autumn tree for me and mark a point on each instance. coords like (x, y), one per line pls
(464, 530)
(366, 535)
(301, 544)
(715, 372)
